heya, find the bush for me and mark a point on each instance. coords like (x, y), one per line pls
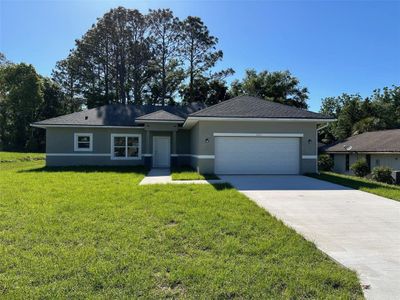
(382, 174)
(360, 168)
(325, 162)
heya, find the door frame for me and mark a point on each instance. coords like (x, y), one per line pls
(154, 150)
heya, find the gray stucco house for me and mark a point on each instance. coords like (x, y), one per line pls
(378, 148)
(244, 135)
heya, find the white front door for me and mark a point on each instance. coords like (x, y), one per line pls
(161, 151)
(257, 155)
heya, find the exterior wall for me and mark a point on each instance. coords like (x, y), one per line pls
(389, 160)
(60, 146)
(339, 163)
(194, 146)
(204, 151)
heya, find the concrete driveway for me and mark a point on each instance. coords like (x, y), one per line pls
(358, 229)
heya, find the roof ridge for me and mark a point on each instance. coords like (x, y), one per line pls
(157, 111)
(215, 105)
(258, 99)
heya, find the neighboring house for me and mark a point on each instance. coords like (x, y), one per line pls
(244, 135)
(378, 148)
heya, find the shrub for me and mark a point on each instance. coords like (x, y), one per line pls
(325, 162)
(360, 168)
(382, 174)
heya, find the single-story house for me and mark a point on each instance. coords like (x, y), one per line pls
(243, 135)
(378, 148)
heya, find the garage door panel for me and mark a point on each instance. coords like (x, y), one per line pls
(256, 155)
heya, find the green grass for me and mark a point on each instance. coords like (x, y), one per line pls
(187, 173)
(362, 184)
(94, 233)
(20, 156)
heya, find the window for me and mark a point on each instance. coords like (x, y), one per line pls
(83, 142)
(347, 162)
(126, 146)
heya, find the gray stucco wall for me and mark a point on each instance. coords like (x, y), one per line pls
(205, 130)
(339, 163)
(389, 160)
(60, 146)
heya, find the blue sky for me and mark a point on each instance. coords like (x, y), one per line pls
(332, 47)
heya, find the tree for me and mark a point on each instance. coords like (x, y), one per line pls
(281, 87)
(3, 60)
(21, 95)
(350, 113)
(356, 115)
(128, 57)
(206, 90)
(199, 52)
(167, 64)
(111, 62)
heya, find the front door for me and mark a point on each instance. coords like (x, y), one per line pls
(161, 151)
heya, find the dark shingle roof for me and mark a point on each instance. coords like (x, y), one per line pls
(126, 115)
(252, 107)
(118, 114)
(375, 141)
(160, 115)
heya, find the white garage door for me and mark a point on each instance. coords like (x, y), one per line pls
(257, 155)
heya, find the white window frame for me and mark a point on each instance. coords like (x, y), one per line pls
(79, 134)
(126, 135)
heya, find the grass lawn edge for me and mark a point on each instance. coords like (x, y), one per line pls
(391, 192)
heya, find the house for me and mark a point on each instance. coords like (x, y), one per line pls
(378, 148)
(244, 135)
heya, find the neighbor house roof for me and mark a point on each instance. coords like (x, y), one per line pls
(131, 115)
(252, 107)
(375, 141)
(160, 116)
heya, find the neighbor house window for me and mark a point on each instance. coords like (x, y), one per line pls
(83, 142)
(347, 162)
(126, 146)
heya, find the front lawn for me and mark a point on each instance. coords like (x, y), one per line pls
(20, 156)
(94, 233)
(362, 184)
(187, 173)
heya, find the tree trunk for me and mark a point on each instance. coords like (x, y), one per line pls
(191, 83)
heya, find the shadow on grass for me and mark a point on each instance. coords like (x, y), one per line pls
(188, 169)
(355, 183)
(90, 169)
(222, 186)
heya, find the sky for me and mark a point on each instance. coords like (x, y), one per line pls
(333, 47)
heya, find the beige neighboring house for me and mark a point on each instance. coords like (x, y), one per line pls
(244, 135)
(378, 148)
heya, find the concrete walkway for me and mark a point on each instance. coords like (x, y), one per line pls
(357, 229)
(163, 176)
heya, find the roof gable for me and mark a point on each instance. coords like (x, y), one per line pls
(160, 115)
(252, 107)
